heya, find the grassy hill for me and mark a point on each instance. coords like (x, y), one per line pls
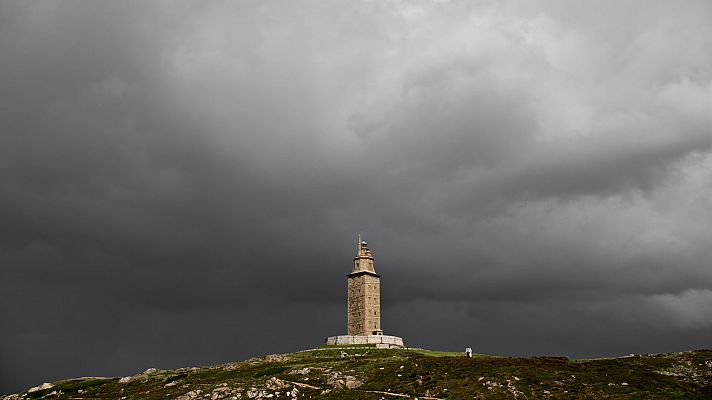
(369, 373)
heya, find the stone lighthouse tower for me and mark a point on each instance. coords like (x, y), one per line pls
(364, 294)
(364, 305)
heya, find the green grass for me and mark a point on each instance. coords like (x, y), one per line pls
(72, 386)
(416, 373)
(440, 353)
(270, 371)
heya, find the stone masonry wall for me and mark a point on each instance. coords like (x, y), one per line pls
(364, 304)
(345, 340)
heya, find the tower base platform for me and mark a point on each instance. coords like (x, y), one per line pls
(380, 341)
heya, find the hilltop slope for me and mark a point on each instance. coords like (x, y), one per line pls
(368, 373)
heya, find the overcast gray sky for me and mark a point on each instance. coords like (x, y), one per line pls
(181, 183)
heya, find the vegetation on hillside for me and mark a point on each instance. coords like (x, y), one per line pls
(369, 373)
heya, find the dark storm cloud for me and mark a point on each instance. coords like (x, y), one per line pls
(182, 183)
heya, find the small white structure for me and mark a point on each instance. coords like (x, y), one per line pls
(468, 352)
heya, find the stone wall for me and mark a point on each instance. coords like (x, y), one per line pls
(382, 341)
(364, 304)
